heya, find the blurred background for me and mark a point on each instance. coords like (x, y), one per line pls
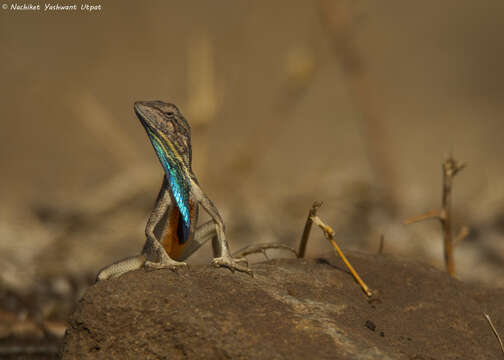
(354, 103)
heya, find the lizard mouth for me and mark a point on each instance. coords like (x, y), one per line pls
(142, 113)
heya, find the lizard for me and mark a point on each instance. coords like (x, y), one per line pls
(175, 213)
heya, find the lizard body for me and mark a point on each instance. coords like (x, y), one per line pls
(171, 231)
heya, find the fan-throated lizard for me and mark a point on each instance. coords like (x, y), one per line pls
(175, 214)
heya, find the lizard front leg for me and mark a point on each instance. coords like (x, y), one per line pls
(153, 255)
(222, 253)
(154, 252)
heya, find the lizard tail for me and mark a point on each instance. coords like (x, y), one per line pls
(121, 267)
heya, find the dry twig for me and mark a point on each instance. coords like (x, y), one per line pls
(433, 214)
(494, 330)
(329, 234)
(462, 234)
(261, 248)
(306, 232)
(451, 167)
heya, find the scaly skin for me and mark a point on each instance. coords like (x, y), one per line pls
(178, 201)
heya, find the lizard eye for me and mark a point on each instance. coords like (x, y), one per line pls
(169, 113)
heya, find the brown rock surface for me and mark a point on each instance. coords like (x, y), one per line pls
(292, 309)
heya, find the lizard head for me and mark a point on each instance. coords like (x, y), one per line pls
(165, 122)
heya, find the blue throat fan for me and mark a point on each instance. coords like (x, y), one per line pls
(175, 175)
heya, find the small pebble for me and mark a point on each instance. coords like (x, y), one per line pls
(370, 325)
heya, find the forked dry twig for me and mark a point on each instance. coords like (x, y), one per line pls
(494, 330)
(329, 234)
(451, 167)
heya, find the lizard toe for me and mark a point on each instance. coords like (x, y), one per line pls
(232, 264)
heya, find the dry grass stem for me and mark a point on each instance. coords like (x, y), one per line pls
(107, 195)
(382, 243)
(464, 231)
(261, 248)
(329, 234)
(202, 103)
(300, 69)
(433, 214)
(338, 18)
(450, 167)
(494, 330)
(306, 232)
(103, 127)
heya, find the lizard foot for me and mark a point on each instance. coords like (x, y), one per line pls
(232, 264)
(172, 265)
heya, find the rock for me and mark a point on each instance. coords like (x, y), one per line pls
(292, 309)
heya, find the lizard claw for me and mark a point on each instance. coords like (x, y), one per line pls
(231, 264)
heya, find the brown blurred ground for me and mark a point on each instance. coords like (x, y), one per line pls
(289, 121)
(435, 67)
